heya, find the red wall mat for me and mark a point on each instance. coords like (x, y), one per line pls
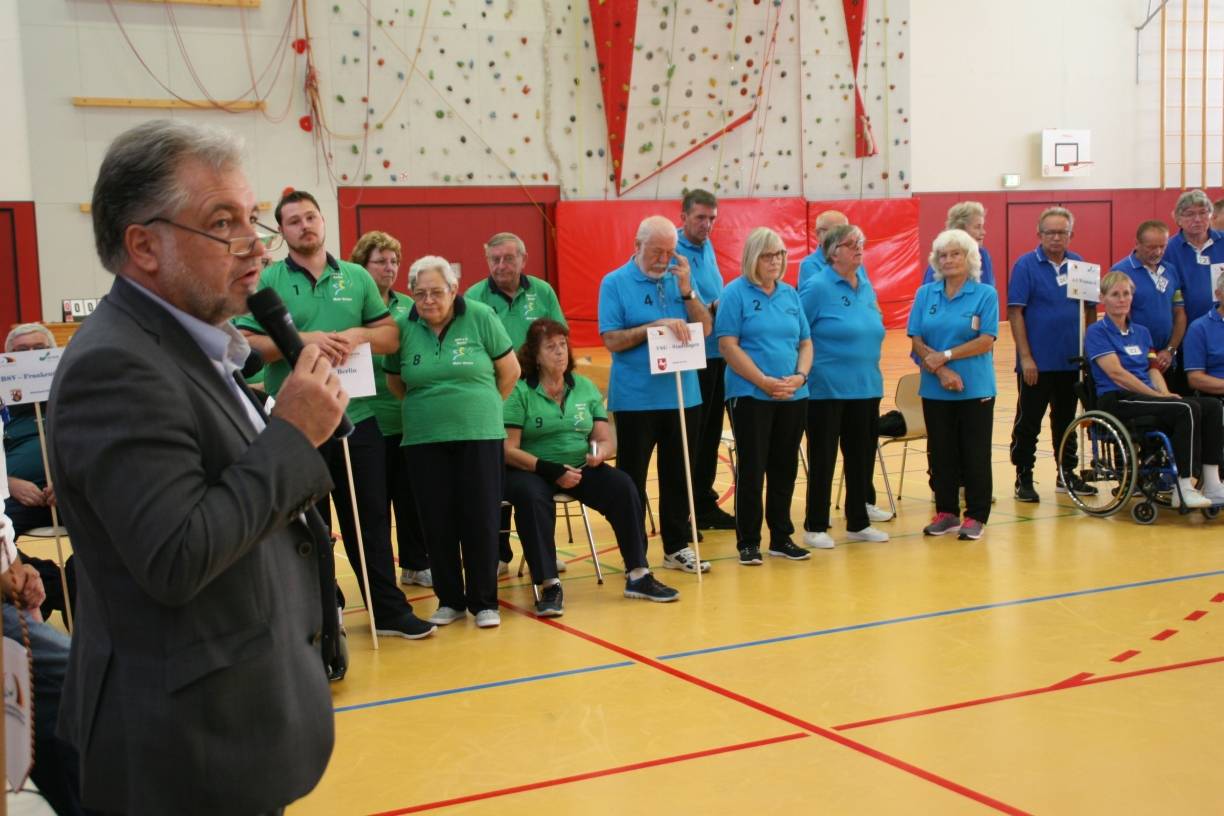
(20, 289)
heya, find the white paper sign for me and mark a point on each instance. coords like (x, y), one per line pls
(1083, 281)
(18, 714)
(357, 372)
(25, 376)
(1217, 270)
(668, 354)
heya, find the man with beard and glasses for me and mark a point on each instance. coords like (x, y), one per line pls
(337, 306)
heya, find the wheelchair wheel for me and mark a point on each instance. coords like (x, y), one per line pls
(1211, 512)
(1105, 460)
(1143, 512)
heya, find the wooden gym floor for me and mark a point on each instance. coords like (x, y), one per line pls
(1061, 664)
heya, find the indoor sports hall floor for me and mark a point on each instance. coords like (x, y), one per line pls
(1061, 664)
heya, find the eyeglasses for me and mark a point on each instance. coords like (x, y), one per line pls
(240, 247)
(859, 244)
(426, 295)
(1194, 215)
(780, 255)
(384, 262)
(1056, 233)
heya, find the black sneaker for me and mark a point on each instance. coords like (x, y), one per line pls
(407, 626)
(716, 519)
(787, 549)
(549, 605)
(648, 588)
(1078, 485)
(1024, 489)
(750, 556)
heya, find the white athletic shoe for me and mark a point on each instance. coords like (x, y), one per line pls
(1194, 499)
(878, 514)
(819, 541)
(867, 534)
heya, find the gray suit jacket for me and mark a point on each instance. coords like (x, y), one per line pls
(195, 683)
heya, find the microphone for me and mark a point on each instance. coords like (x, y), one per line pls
(253, 365)
(269, 310)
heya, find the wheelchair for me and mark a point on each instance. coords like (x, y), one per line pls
(1119, 460)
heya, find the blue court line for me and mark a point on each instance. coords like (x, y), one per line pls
(482, 686)
(943, 613)
(781, 639)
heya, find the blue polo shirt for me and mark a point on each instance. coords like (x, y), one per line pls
(1194, 270)
(628, 299)
(707, 280)
(1156, 296)
(986, 279)
(1203, 348)
(1131, 346)
(847, 332)
(1050, 317)
(943, 324)
(769, 329)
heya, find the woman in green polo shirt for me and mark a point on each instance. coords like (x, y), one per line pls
(557, 440)
(453, 369)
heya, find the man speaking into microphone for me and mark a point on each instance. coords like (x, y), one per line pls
(195, 683)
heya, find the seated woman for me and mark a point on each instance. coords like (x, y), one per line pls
(557, 440)
(1128, 384)
(1203, 348)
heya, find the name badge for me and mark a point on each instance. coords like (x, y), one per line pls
(1062, 280)
(1162, 283)
(1133, 351)
(975, 322)
(1203, 260)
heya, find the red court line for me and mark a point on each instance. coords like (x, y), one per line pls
(620, 769)
(829, 734)
(1219, 598)
(1165, 635)
(1122, 657)
(1073, 680)
(1061, 686)
(1196, 615)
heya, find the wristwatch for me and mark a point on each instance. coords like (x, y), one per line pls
(804, 376)
(947, 354)
(692, 295)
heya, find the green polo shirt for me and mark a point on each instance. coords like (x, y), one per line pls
(384, 404)
(558, 433)
(450, 385)
(344, 297)
(533, 300)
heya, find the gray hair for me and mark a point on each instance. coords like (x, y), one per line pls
(1191, 198)
(138, 179)
(505, 238)
(1060, 211)
(836, 235)
(759, 241)
(28, 328)
(956, 239)
(960, 214)
(652, 226)
(437, 264)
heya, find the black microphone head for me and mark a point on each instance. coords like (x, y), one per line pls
(265, 303)
(253, 365)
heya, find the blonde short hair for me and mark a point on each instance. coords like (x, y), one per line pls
(759, 242)
(1112, 279)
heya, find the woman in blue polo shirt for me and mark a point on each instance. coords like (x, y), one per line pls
(1129, 384)
(1203, 348)
(558, 440)
(844, 393)
(763, 336)
(952, 326)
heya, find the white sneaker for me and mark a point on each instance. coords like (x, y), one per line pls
(488, 618)
(1216, 496)
(561, 565)
(1194, 499)
(878, 514)
(867, 534)
(819, 541)
(419, 577)
(446, 615)
(685, 560)
(503, 568)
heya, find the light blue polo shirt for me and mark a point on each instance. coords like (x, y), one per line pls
(1203, 348)
(847, 331)
(987, 278)
(1132, 348)
(1156, 296)
(944, 324)
(810, 266)
(628, 299)
(707, 280)
(1194, 270)
(1050, 317)
(769, 329)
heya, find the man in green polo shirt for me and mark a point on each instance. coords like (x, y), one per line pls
(336, 306)
(518, 300)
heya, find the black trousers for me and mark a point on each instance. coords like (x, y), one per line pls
(458, 501)
(604, 488)
(367, 451)
(709, 435)
(958, 444)
(410, 542)
(767, 436)
(638, 433)
(853, 425)
(1054, 390)
(1193, 424)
